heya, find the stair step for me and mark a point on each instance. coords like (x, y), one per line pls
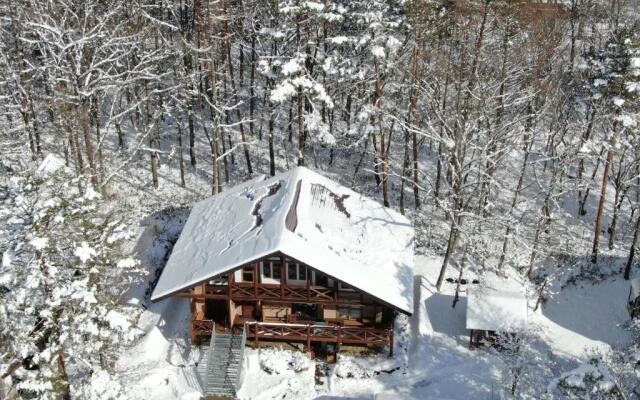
(221, 365)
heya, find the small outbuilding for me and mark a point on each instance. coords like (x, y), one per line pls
(490, 311)
(633, 302)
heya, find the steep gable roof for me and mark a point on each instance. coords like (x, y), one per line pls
(305, 216)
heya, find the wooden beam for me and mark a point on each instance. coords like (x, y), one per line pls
(255, 279)
(308, 282)
(282, 275)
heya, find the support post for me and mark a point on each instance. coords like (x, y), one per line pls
(255, 280)
(283, 271)
(309, 338)
(229, 283)
(256, 341)
(391, 343)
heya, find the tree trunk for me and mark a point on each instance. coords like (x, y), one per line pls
(451, 245)
(516, 194)
(88, 144)
(632, 251)
(414, 136)
(300, 127)
(64, 378)
(252, 80)
(377, 103)
(183, 183)
(603, 193)
(272, 158)
(151, 127)
(236, 98)
(405, 170)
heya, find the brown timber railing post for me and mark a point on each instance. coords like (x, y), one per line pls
(256, 341)
(390, 342)
(338, 343)
(309, 338)
(283, 275)
(255, 280)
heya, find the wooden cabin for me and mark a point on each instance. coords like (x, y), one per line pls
(491, 312)
(295, 257)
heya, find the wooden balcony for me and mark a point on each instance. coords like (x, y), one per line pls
(309, 333)
(249, 291)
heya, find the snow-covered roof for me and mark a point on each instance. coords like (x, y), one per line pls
(496, 310)
(635, 288)
(306, 216)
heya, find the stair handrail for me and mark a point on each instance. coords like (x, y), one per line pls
(234, 385)
(210, 356)
(243, 342)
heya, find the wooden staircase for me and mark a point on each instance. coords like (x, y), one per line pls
(221, 367)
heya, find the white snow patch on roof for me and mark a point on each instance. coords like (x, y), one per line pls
(339, 232)
(496, 310)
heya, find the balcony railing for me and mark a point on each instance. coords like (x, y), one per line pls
(248, 291)
(309, 333)
(201, 328)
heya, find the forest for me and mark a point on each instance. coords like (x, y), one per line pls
(508, 131)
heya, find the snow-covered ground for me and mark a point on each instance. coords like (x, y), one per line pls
(432, 358)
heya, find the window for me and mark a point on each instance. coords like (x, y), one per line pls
(271, 271)
(350, 313)
(292, 272)
(321, 279)
(345, 288)
(296, 272)
(302, 273)
(247, 274)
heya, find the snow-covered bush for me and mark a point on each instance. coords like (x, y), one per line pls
(64, 280)
(526, 365)
(277, 361)
(592, 380)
